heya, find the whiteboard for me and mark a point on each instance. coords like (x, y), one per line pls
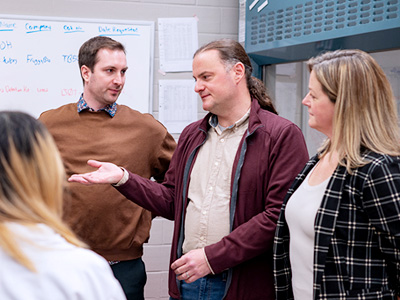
(39, 61)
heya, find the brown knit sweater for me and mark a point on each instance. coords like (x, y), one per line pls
(111, 225)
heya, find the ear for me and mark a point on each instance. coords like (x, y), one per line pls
(85, 73)
(238, 71)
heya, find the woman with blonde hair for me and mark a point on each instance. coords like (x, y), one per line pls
(338, 234)
(40, 257)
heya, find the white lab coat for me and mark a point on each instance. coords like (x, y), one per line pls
(63, 272)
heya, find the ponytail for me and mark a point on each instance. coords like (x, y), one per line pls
(257, 90)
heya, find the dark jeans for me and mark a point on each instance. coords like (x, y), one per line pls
(211, 287)
(131, 274)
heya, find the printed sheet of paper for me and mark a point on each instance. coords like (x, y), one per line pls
(178, 40)
(177, 104)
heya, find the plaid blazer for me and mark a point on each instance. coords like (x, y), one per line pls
(357, 234)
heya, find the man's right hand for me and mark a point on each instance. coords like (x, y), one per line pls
(106, 172)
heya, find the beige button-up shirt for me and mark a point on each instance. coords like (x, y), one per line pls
(207, 214)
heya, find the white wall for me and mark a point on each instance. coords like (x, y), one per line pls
(217, 19)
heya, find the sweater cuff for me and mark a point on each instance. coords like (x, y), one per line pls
(124, 178)
(208, 264)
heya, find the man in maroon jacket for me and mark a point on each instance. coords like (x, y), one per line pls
(225, 184)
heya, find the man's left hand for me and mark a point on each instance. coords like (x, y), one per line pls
(191, 266)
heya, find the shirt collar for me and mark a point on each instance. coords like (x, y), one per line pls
(213, 121)
(111, 109)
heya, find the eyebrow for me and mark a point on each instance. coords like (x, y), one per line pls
(114, 67)
(201, 74)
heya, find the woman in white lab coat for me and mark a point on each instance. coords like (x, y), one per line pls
(40, 257)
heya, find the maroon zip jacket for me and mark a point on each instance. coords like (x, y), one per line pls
(271, 153)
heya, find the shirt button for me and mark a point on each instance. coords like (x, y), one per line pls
(210, 188)
(204, 212)
(222, 140)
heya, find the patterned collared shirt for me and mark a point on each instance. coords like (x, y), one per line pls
(111, 109)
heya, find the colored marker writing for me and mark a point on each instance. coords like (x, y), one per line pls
(36, 28)
(72, 29)
(14, 89)
(4, 45)
(37, 61)
(68, 92)
(4, 26)
(118, 31)
(70, 58)
(9, 60)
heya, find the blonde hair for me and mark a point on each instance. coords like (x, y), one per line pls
(365, 115)
(32, 178)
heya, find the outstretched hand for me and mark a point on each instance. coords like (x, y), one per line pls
(106, 173)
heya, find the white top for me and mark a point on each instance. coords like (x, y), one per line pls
(300, 214)
(63, 272)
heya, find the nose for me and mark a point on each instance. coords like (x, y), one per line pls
(198, 86)
(306, 100)
(119, 79)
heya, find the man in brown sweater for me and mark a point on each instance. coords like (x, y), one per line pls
(97, 127)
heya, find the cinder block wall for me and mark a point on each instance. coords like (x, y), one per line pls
(216, 19)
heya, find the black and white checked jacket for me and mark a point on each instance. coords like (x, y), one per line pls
(357, 234)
